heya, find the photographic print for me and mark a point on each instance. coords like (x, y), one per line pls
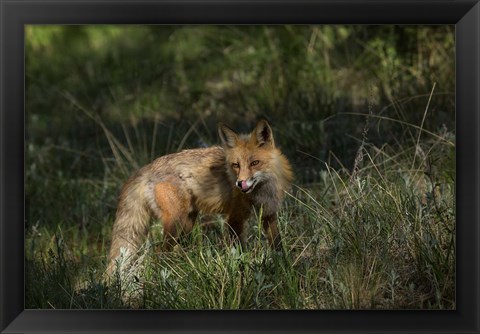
(252, 167)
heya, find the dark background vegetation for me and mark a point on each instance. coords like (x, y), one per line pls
(356, 109)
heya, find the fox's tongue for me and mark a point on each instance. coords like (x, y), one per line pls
(244, 185)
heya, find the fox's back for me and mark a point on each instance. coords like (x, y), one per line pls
(200, 173)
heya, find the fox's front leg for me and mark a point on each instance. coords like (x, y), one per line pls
(237, 220)
(270, 227)
(237, 229)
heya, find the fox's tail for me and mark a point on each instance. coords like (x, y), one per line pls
(130, 228)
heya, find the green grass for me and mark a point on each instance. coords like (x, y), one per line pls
(364, 114)
(384, 238)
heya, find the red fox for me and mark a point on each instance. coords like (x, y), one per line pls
(246, 171)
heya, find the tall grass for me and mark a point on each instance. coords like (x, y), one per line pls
(382, 236)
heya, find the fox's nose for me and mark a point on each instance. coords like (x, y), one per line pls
(243, 185)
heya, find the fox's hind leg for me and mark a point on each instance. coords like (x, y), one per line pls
(175, 212)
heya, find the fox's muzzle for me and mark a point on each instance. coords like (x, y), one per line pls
(245, 185)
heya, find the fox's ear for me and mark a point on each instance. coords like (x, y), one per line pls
(263, 133)
(227, 136)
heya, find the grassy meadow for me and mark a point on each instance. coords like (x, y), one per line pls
(365, 114)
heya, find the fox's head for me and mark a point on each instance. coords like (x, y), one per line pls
(250, 158)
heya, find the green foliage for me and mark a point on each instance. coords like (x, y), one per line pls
(364, 113)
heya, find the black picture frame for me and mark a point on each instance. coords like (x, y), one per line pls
(465, 14)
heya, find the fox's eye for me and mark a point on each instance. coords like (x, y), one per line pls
(254, 163)
(235, 165)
